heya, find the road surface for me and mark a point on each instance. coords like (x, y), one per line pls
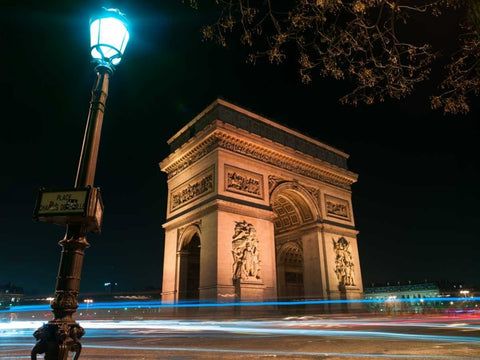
(314, 337)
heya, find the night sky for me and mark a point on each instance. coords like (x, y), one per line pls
(416, 202)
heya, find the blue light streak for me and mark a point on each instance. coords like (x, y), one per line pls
(160, 331)
(162, 328)
(190, 304)
(253, 352)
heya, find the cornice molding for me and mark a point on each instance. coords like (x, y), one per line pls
(220, 139)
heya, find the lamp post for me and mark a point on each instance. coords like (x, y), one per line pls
(80, 209)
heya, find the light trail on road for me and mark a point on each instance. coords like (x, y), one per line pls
(287, 327)
(205, 304)
(268, 353)
(347, 337)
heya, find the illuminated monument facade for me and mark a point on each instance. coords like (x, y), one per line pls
(257, 212)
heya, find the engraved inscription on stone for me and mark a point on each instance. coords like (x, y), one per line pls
(344, 267)
(246, 261)
(336, 207)
(198, 186)
(243, 182)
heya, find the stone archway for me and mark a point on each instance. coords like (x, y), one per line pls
(189, 272)
(267, 204)
(290, 271)
(297, 216)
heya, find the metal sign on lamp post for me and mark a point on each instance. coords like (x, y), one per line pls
(80, 209)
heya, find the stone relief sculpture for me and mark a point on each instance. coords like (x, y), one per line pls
(273, 181)
(344, 267)
(246, 261)
(243, 181)
(337, 207)
(192, 190)
(198, 186)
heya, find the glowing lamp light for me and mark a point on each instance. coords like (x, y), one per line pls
(108, 37)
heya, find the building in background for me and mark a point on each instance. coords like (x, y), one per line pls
(421, 298)
(10, 295)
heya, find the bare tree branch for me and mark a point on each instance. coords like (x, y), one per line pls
(364, 42)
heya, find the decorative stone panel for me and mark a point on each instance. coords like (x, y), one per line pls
(243, 182)
(200, 185)
(337, 208)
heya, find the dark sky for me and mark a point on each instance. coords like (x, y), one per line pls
(416, 203)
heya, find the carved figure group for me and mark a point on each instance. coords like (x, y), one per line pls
(344, 266)
(192, 190)
(246, 261)
(337, 209)
(243, 183)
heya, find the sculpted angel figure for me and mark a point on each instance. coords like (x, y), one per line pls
(344, 266)
(246, 261)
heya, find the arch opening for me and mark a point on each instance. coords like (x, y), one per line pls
(189, 277)
(292, 212)
(290, 269)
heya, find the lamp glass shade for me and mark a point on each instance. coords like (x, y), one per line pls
(108, 37)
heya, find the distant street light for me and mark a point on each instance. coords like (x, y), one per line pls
(80, 209)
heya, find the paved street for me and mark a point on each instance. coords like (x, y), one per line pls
(355, 337)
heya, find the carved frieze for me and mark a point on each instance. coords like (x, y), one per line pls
(337, 208)
(278, 160)
(245, 251)
(344, 266)
(243, 182)
(226, 141)
(200, 185)
(192, 156)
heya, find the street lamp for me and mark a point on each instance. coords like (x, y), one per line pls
(80, 209)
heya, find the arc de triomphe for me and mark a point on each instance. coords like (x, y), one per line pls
(257, 212)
